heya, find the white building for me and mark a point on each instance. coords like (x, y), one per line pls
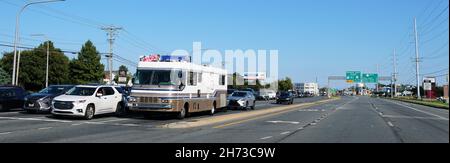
(312, 88)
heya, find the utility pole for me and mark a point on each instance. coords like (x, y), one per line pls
(378, 83)
(112, 33)
(395, 74)
(417, 59)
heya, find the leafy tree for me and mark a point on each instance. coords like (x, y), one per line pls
(33, 66)
(5, 78)
(285, 84)
(87, 68)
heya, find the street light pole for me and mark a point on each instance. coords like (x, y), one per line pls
(16, 37)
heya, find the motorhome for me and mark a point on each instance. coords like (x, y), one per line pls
(175, 85)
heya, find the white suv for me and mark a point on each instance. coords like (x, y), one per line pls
(87, 101)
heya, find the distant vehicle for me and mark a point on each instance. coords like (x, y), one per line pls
(11, 97)
(42, 101)
(242, 100)
(285, 97)
(266, 94)
(86, 101)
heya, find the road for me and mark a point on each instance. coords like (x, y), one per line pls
(346, 120)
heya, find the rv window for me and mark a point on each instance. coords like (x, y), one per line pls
(200, 76)
(222, 79)
(192, 78)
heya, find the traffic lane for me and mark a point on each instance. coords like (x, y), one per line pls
(258, 130)
(29, 127)
(354, 122)
(424, 109)
(413, 125)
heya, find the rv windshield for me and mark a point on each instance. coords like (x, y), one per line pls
(158, 77)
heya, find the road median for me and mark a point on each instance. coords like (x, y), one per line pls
(231, 119)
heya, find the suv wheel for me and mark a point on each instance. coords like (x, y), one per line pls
(89, 114)
(254, 105)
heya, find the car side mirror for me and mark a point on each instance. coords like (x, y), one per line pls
(99, 95)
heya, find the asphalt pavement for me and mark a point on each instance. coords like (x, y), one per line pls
(346, 120)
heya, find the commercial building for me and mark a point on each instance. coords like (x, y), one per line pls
(311, 88)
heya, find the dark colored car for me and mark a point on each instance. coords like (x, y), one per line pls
(285, 97)
(41, 101)
(125, 91)
(11, 97)
(230, 92)
(252, 91)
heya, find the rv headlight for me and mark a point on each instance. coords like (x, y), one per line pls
(132, 99)
(165, 101)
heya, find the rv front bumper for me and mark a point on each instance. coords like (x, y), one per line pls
(150, 107)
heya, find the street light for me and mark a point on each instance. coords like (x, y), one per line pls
(48, 54)
(16, 38)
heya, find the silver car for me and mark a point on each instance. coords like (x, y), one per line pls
(242, 100)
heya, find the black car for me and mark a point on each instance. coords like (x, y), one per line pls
(125, 91)
(11, 97)
(41, 101)
(285, 97)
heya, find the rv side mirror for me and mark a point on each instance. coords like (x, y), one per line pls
(181, 86)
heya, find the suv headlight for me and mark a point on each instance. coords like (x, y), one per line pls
(80, 101)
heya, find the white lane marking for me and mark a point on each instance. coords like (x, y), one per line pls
(45, 128)
(35, 119)
(418, 110)
(342, 107)
(301, 128)
(312, 110)
(285, 133)
(412, 117)
(128, 125)
(5, 133)
(113, 120)
(284, 122)
(268, 137)
(390, 124)
(313, 124)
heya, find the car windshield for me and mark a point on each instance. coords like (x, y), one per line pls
(285, 94)
(239, 94)
(158, 77)
(54, 90)
(81, 91)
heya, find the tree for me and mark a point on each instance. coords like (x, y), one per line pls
(33, 66)
(5, 78)
(87, 68)
(285, 84)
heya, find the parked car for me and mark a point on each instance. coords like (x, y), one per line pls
(242, 100)
(11, 97)
(87, 101)
(285, 97)
(230, 92)
(42, 101)
(125, 92)
(265, 94)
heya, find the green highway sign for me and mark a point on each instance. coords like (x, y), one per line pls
(353, 76)
(370, 78)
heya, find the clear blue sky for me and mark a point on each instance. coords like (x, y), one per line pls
(315, 38)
